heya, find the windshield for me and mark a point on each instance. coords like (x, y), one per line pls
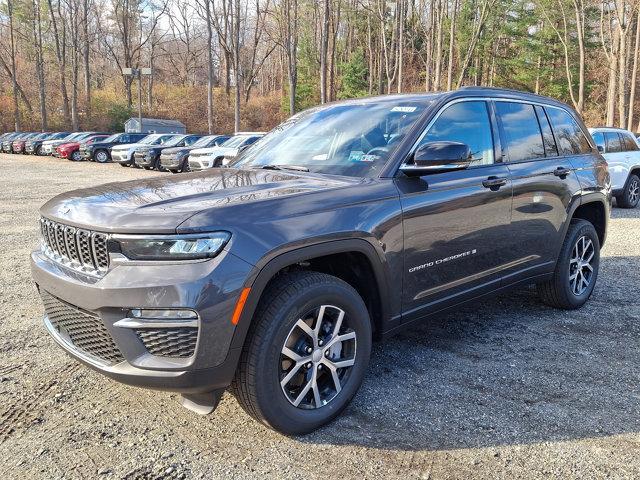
(172, 142)
(111, 138)
(204, 141)
(235, 142)
(353, 139)
(155, 139)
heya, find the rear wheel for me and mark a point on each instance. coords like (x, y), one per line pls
(101, 156)
(576, 269)
(630, 196)
(39, 151)
(306, 353)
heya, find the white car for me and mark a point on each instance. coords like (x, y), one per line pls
(621, 151)
(204, 158)
(123, 154)
(49, 146)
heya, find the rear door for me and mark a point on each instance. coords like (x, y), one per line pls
(456, 224)
(543, 185)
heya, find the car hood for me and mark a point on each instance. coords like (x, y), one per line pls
(126, 146)
(161, 204)
(174, 150)
(211, 151)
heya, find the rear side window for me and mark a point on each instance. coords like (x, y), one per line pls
(520, 125)
(569, 136)
(628, 142)
(550, 148)
(598, 137)
(468, 123)
(613, 142)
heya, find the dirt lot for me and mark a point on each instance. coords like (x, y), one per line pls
(505, 389)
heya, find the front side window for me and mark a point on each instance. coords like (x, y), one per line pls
(569, 136)
(523, 139)
(468, 123)
(613, 142)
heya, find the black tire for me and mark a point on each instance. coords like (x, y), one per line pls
(630, 195)
(76, 156)
(101, 156)
(558, 292)
(257, 381)
(39, 150)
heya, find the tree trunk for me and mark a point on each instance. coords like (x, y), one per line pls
(324, 50)
(210, 79)
(16, 106)
(37, 44)
(634, 73)
(86, 61)
(452, 38)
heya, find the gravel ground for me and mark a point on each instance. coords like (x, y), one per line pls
(503, 389)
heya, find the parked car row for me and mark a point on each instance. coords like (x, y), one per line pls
(158, 151)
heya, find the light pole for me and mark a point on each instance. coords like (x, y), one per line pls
(137, 73)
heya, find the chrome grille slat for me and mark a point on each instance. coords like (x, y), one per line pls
(79, 249)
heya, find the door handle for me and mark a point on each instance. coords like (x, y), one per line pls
(494, 183)
(561, 172)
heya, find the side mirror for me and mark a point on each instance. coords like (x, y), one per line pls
(434, 157)
(600, 149)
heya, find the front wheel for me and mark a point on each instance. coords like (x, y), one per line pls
(76, 156)
(101, 156)
(306, 353)
(576, 269)
(630, 196)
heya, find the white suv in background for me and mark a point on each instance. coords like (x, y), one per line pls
(621, 150)
(205, 158)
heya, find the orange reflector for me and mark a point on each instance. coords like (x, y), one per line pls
(240, 305)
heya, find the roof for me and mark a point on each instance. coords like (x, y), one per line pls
(158, 121)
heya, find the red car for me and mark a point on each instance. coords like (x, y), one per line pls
(71, 150)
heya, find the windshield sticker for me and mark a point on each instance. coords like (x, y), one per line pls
(404, 109)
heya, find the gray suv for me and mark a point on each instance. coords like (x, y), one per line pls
(347, 223)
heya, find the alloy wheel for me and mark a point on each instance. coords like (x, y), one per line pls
(317, 357)
(634, 191)
(580, 266)
(101, 157)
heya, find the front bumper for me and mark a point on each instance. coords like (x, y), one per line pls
(211, 288)
(143, 159)
(170, 161)
(200, 163)
(121, 156)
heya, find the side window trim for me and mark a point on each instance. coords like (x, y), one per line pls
(553, 135)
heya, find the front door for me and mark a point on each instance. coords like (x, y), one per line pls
(455, 223)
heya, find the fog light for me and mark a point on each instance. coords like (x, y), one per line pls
(162, 314)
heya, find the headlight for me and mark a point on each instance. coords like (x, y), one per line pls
(170, 247)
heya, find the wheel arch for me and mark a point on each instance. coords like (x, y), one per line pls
(593, 210)
(310, 257)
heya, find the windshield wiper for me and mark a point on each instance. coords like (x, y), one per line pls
(273, 166)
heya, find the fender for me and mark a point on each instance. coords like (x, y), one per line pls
(260, 277)
(584, 200)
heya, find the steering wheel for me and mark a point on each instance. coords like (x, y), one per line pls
(379, 151)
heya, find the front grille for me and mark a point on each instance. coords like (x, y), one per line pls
(79, 249)
(84, 330)
(169, 342)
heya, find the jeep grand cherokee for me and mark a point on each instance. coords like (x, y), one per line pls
(348, 222)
